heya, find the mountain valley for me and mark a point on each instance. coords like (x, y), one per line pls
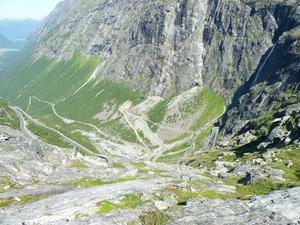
(153, 113)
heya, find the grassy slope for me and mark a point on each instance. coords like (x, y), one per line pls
(157, 113)
(91, 99)
(10, 118)
(47, 79)
(48, 136)
(57, 83)
(213, 108)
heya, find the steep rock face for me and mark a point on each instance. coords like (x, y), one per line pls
(170, 46)
(275, 83)
(237, 35)
(156, 45)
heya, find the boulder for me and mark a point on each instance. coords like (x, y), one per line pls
(252, 176)
(164, 205)
(276, 133)
(4, 137)
(246, 138)
(289, 164)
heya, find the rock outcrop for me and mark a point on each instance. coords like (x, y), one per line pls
(272, 94)
(280, 207)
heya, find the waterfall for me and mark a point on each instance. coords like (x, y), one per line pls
(262, 66)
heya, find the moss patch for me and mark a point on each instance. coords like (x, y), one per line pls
(130, 201)
(24, 199)
(87, 182)
(139, 164)
(31, 198)
(79, 165)
(5, 202)
(156, 217)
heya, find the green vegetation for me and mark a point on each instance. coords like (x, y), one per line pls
(86, 182)
(214, 108)
(89, 182)
(125, 179)
(184, 196)
(47, 79)
(106, 207)
(59, 83)
(5, 202)
(201, 137)
(262, 124)
(93, 98)
(69, 130)
(139, 164)
(82, 140)
(50, 81)
(48, 136)
(8, 116)
(145, 140)
(118, 166)
(294, 32)
(31, 198)
(146, 171)
(156, 217)
(24, 199)
(261, 187)
(117, 128)
(79, 165)
(143, 171)
(8, 185)
(157, 113)
(10, 58)
(292, 174)
(207, 159)
(184, 135)
(243, 192)
(130, 201)
(175, 153)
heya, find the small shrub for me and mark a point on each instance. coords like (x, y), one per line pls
(156, 217)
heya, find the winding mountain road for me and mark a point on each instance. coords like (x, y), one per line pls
(23, 127)
(27, 133)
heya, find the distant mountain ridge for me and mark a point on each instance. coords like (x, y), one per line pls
(18, 29)
(5, 42)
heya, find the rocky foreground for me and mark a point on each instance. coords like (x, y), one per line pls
(280, 207)
(41, 184)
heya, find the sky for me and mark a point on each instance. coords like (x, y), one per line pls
(26, 9)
